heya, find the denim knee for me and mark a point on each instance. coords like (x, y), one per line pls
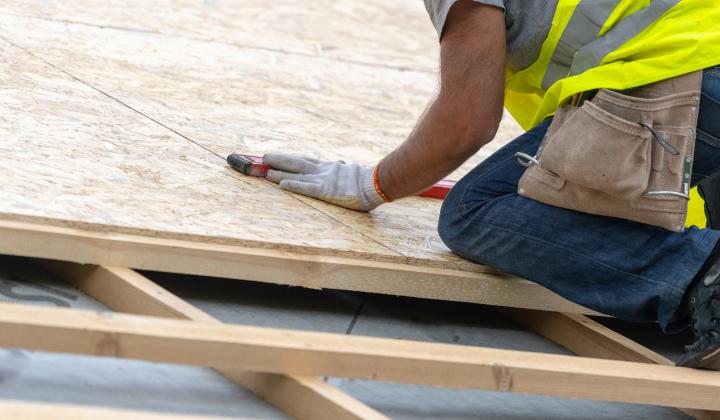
(451, 219)
(464, 210)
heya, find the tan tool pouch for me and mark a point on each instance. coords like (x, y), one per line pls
(622, 154)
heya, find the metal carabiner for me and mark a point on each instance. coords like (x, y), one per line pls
(526, 160)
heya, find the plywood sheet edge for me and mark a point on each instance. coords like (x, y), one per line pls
(276, 266)
(100, 228)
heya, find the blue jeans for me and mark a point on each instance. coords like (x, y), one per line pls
(626, 269)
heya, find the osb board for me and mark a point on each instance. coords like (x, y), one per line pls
(232, 98)
(71, 156)
(257, 98)
(334, 30)
(394, 33)
(229, 98)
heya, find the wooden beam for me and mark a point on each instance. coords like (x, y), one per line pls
(26, 410)
(128, 291)
(124, 290)
(322, 354)
(274, 266)
(583, 336)
(586, 337)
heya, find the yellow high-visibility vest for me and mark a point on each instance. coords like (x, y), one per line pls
(615, 44)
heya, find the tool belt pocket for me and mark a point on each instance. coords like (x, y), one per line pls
(601, 151)
(622, 154)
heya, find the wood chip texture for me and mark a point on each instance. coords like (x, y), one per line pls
(116, 116)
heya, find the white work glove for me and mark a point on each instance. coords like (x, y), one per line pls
(343, 184)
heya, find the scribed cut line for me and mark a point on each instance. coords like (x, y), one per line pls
(107, 95)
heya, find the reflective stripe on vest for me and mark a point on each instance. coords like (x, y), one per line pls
(640, 42)
(584, 26)
(580, 49)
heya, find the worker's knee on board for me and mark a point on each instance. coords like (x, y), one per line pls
(465, 213)
(451, 219)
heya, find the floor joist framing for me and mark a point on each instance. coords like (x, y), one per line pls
(583, 336)
(586, 337)
(322, 354)
(125, 290)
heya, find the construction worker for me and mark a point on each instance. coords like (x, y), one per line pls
(536, 57)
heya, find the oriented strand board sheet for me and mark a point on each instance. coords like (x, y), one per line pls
(71, 156)
(159, 104)
(224, 93)
(394, 33)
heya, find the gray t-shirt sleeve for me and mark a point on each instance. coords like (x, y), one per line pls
(438, 10)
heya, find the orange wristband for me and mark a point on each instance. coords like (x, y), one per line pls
(376, 183)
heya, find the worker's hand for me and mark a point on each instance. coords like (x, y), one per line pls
(343, 184)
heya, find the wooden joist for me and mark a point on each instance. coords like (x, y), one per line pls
(322, 354)
(26, 410)
(586, 337)
(583, 336)
(486, 286)
(128, 291)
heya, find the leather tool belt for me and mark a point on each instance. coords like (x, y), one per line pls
(623, 154)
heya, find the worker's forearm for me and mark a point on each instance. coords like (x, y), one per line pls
(467, 111)
(440, 143)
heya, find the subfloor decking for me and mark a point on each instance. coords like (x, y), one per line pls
(167, 389)
(122, 115)
(116, 119)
